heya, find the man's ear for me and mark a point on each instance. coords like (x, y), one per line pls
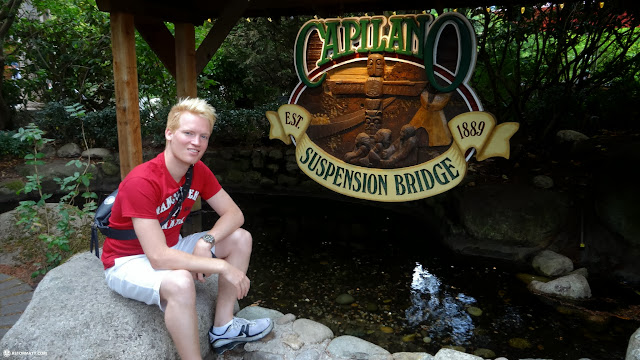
(168, 134)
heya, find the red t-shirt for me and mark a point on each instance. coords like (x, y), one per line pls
(149, 192)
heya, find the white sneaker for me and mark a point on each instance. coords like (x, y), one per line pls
(240, 331)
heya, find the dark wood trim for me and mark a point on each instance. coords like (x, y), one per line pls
(221, 28)
(160, 39)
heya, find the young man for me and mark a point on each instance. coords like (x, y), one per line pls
(160, 266)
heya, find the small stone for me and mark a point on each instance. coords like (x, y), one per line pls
(345, 299)
(426, 340)
(542, 182)
(519, 343)
(371, 306)
(293, 341)
(386, 329)
(285, 319)
(484, 353)
(475, 311)
(409, 338)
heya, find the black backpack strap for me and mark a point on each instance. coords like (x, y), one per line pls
(183, 195)
(94, 240)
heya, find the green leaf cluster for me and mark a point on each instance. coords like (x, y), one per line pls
(553, 67)
(36, 218)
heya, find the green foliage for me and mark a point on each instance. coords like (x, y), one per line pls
(36, 218)
(10, 146)
(551, 68)
(100, 126)
(254, 65)
(65, 47)
(14, 185)
(242, 126)
(152, 125)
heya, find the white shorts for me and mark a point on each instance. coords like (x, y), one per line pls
(133, 276)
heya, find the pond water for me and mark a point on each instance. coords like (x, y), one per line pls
(409, 293)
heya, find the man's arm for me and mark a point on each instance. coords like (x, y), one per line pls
(231, 217)
(162, 257)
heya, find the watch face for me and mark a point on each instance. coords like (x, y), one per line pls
(208, 238)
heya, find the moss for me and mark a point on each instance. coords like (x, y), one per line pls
(14, 185)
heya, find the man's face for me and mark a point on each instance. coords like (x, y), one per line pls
(190, 140)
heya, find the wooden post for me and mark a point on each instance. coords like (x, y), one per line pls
(186, 60)
(186, 76)
(125, 74)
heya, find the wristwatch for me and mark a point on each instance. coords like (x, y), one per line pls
(209, 239)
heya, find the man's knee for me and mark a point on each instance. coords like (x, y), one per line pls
(245, 241)
(178, 285)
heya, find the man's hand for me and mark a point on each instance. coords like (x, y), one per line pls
(203, 249)
(238, 279)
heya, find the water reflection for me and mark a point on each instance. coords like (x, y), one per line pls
(438, 310)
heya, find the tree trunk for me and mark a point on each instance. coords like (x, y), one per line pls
(7, 15)
(6, 122)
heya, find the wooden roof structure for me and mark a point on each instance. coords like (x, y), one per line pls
(179, 54)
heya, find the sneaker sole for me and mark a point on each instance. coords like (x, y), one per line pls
(233, 343)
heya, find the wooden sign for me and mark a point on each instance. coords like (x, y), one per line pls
(383, 110)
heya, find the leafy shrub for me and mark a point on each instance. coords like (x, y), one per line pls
(242, 126)
(233, 127)
(54, 120)
(12, 147)
(152, 126)
(614, 105)
(101, 128)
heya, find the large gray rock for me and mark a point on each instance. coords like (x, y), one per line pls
(507, 221)
(69, 150)
(633, 350)
(54, 168)
(74, 315)
(617, 208)
(570, 136)
(549, 263)
(412, 356)
(353, 348)
(312, 332)
(287, 340)
(572, 286)
(450, 354)
(97, 153)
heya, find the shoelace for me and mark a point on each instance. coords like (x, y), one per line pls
(239, 322)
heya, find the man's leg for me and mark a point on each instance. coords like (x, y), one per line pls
(178, 291)
(173, 291)
(236, 250)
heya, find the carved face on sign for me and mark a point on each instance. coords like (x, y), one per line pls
(373, 121)
(375, 65)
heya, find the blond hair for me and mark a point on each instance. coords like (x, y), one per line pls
(195, 106)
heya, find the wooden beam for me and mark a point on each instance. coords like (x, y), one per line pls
(186, 60)
(160, 40)
(186, 76)
(125, 76)
(221, 28)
